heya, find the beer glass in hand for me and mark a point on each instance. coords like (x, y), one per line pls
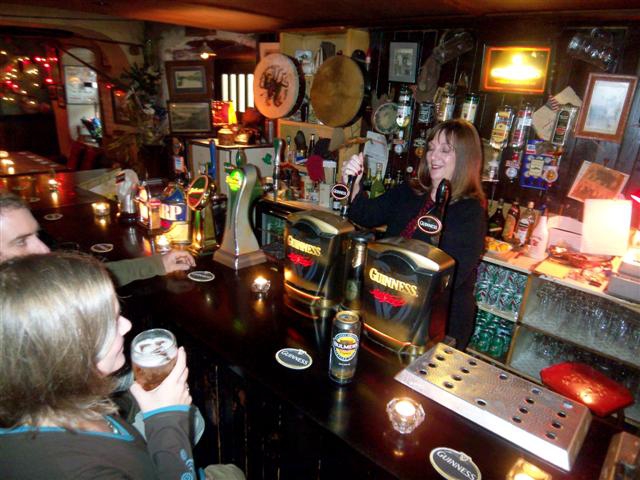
(153, 355)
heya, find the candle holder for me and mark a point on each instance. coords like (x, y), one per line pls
(7, 162)
(53, 184)
(4, 154)
(163, 244)
(523, 470)
(405, 414)
(101, 209)
(261, 286)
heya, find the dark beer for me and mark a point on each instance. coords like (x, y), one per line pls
(345, 340)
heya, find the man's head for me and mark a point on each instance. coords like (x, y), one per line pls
(18, 229)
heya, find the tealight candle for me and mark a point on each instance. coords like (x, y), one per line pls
(101, 208)
(523, 470)
(53, 184)
(405, 414)
(260, 286)
(7, 161)
(11, 170)
(4, 154)
(162, 244)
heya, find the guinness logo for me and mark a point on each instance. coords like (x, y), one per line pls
(454, 465)
(429, 224)
(340, 191)
(303, 246)
(392, 283)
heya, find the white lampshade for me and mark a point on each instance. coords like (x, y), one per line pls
(605, 227)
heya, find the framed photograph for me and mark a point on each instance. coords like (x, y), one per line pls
(597, 181)
(606, 106)
(120, 107)
(267, 48)
(189, 80)
(190, 117)
(515, 69)
(81, 85)
(403, 60)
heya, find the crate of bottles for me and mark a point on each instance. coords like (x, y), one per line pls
(500, 288)
(492, 335)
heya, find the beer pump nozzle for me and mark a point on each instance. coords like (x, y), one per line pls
(277, 146)
(443, 193)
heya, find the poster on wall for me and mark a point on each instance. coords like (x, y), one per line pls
(81, 85)
(596, 181)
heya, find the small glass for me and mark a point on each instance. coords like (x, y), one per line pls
(405, 414)
(163, 245)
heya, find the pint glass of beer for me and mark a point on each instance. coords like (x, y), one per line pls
(153, 355)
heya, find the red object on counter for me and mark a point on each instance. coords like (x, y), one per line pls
(315, 168)
(588, 386)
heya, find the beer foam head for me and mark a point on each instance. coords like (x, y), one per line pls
(153, 352)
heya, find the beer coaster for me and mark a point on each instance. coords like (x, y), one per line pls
(454, 465)
(102, 247)
(294, 358)
(34, 199)
(201, 276)
(53, 216)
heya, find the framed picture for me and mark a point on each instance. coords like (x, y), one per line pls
(190, 117)
(189, 80)
(120, 107)
(515, 69)
(597, 181)
(81, 85)
(403, 60)
(606, 106)
(267, 48)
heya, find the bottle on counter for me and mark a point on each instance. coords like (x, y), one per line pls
(525, 225)
(539, 238)
(511, 221)
(377, 185)
(496, 222)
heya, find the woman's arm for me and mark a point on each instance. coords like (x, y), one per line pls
(379, 211)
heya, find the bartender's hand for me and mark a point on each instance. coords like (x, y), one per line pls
(175, 260)
(173, 390)
(355, 167)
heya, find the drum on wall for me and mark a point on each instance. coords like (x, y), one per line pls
(338, 93)
(278, 86)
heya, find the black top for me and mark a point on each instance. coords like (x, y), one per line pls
(462, 238)
(53, 452)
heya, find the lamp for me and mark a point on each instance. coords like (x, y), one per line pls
(605, 227)
(206, 51)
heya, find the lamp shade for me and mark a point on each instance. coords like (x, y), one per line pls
(605, 227)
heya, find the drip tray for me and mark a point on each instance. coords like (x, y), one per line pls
(534, 418)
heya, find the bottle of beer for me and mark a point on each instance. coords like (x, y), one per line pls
(511, 222)
(355, 270)
(312, 144)
(388, 181)
(367, 178)
(496, 222)
(377, 186)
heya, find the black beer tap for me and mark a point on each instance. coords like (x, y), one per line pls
(344, 211)
(439, 210)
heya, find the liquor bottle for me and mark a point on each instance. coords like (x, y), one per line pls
(367, 177)
(539, 238)
(289, 154)
(512, 165)
(501, 127)
(312, 144)
(399, 178)
(564, 124)
(496, 222)
(403, 117)
(447, 105)
(470, 107)
(388, 181)
(377, 186)
(420, 143)
(525, 225)
(511, 222)
(522, 127)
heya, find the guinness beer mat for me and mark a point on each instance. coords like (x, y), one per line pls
(294, 358)
(53, 216)
(102, 247)
(454, 465)
(201, 276)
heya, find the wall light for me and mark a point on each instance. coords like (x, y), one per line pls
(515, 69)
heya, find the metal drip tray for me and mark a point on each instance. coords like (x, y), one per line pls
(534, 418)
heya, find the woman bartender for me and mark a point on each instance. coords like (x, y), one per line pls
(454, 153)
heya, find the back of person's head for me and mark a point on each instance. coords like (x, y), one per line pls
(58, 315)
(10, 201)
(464, 138)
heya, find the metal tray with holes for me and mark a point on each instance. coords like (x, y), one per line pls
(536, 419)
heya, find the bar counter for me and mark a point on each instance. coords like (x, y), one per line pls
(231, 333)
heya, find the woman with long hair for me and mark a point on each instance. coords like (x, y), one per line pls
(454, 153)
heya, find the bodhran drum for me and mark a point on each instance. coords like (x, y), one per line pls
(384, 118)
(338, 91)
(278, 86)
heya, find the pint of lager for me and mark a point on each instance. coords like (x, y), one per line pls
(153, 355)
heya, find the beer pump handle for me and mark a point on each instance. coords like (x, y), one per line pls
(351, 181)
(443, 194)
(277, 146)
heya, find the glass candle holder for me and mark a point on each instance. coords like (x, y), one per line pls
(260, 286)
(523, 470)
(53, 185)
(101, 209)
(163, 244)
(4, 154)
(405, 414)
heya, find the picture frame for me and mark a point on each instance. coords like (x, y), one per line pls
(190, 117)
(119, 104)
(606, 105)
(81, 85)
(267, 48)
(189, 79)
(595, 181)
(403, 61)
